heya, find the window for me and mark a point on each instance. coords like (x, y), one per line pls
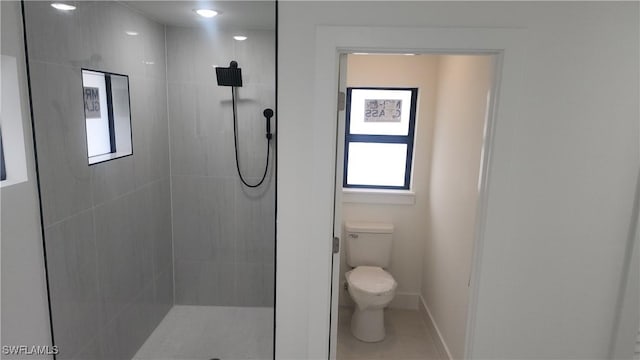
(3, 169)
(107, 115)
(13, 159)
(380, 126)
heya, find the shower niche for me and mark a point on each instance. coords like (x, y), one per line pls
(107, 115)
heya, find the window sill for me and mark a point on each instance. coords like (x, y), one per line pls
(96, 159)
(372, 196)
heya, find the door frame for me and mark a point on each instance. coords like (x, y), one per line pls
(316, 247)
(485, 159)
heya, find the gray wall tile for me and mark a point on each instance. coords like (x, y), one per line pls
(251, 285)
(204, 218)
(122, 336)
(71, 261)
(111, 179)
(92, 351)
(124, 252)
(157, 204)
(205, 283)
(255, 228)
(112, 290)
(163, 292)
(222, 230)
(62, 42)
(61, 140)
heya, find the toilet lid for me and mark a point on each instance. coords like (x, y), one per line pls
(372, 279)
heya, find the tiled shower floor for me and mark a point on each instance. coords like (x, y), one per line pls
(208, 332)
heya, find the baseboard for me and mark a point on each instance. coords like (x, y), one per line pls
(433, 327)
(406, 301)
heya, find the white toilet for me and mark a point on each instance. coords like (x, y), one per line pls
(368, 247)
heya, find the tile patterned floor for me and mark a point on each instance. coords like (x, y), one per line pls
(207, 332)
(408, 337)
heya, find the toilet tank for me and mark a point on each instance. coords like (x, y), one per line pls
(368, 243)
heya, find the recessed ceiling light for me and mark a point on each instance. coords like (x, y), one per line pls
(206, 13)
(360, 53)
(63, 7)
(131, 33)
(240, 37)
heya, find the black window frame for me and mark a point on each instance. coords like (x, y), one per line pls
(3, 169)
(110, 115)
(381, 139)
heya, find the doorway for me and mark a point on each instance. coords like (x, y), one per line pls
(435, 214)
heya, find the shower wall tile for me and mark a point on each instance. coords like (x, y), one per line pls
(223, 232)
(205, 283)
(61, 141)
(204, 218)
(252, 285)
(201, 130)
(156, 204)
(154, 52)
(111, 179)
(62, 42)
(163, 292)
(98, 36)
(71, 261)
(121, 337)
(124, 253)
(255, 232)
(269, 280)
(92, 351)
(181, 50)
(108, 226)
(149, 124)
(192, 54)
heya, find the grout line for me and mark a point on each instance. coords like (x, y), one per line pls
(128, 304)
(94, 207)
(166, 87)
(97, 284)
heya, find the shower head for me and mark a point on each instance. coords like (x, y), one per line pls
(229, 76)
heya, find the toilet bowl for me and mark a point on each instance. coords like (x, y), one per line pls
(372, 289)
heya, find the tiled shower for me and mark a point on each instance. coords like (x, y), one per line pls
(130, 239)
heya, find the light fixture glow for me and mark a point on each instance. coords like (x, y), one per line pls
(360, 53)
(63, 7)
(131, 33)
(206, 13)
(240, 37)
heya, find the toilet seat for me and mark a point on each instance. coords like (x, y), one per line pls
(372, 280)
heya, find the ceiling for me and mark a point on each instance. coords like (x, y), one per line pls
(232, 14)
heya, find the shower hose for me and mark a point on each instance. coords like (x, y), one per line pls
(235, 144)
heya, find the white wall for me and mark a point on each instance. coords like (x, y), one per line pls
(408, 220)
(25, 318)
(464, 83)
(562, 178)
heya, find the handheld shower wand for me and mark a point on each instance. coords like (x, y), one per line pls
(232, 76)
(268, 114)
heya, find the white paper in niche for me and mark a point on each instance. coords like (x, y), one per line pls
(11, 123)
